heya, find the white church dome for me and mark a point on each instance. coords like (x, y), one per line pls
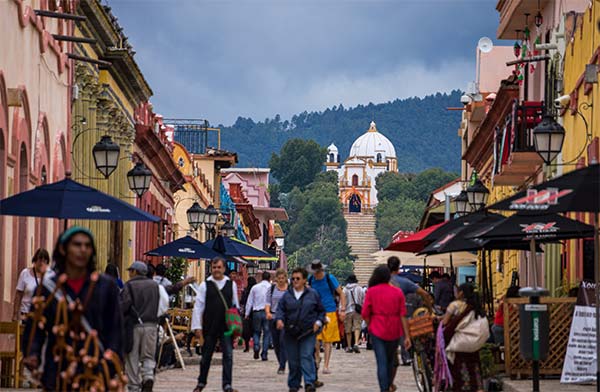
(372, 143)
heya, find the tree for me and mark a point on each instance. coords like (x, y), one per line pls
(397, 214)
(298, 163)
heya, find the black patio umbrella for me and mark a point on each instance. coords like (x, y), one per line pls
(540, 228)
(463, 221)
(68, 199)
(186, 247)
(460, 239)
(576, 191)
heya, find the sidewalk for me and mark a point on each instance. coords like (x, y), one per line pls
(545, 385)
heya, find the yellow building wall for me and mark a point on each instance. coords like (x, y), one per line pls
(578, 53)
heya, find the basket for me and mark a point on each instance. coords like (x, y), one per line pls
(420, 325)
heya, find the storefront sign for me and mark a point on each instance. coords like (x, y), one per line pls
(580, 360)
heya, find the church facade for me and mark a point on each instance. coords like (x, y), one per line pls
(370, 155)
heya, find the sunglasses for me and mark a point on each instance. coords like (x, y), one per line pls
(296, 278)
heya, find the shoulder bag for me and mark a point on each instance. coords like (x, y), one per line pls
(470, 334)
(233, 320)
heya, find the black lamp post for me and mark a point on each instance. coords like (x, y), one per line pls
(195, 215)
(106, 155)
(139, 179)
(461, 203)
(228, 230)
(548, 138)
(477, 195)
(210, 219)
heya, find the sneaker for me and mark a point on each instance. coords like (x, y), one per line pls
(280, 371)
(147, 385)
(348, 350)
(356, 349)
(318, 384)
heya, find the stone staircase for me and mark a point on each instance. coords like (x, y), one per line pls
(362, 240)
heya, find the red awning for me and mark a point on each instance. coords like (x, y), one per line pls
(413, 243)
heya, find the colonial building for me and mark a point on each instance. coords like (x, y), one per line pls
(34, 127)
(370, 155)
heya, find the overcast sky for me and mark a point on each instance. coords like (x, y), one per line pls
(223, 59)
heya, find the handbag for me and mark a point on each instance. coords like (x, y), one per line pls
(233, 320)
(470, 334)
(357, 307)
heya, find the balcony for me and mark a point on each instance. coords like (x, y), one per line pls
(512, 16)
(516, 159)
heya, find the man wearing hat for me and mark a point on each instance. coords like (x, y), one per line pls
(355, 297)
(141, 303)
(328, 288)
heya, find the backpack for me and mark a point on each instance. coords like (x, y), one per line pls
(334, 293)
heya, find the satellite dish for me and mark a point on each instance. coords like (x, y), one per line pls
(485, 45)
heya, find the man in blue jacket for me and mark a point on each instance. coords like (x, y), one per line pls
(300, 314)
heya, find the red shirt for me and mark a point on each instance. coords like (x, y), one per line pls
(499, 317)
(384, 307)
(76, 284)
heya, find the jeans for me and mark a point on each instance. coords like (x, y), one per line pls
(385, 352)
(277, 339)
(498, 334)
(140, 362)
(260, 324)
(301, 360)
(210, 342)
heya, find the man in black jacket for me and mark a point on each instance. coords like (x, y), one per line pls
(140, 300)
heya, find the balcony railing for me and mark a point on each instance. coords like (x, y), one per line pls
(515, 157)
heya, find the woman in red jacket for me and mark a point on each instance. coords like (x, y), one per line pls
(384, 310)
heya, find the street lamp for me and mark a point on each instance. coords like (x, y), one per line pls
(548, 138)
(106, 155)
(477, 195)
(461, 203)
(211, 216)
(139, 179)
(195, 215)
(228, 229)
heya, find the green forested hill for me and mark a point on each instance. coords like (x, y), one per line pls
(422, 130)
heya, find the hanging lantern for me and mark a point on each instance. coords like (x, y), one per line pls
(106, 155)
(211, 216)
(477, 195)
(195, 215)
(139, 179)
(461, 203)
(539, 20)
(548, 138)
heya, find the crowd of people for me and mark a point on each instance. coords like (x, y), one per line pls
(300, 317)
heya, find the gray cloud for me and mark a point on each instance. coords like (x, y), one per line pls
(221, 59)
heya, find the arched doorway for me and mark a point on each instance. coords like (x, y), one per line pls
(355, 204)
(355, 180)
(23, 178)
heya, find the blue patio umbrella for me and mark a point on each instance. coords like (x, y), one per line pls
(68, 199)
(234, 247)
(186, 247)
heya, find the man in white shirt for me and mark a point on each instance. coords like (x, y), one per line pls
(214, 298)
(257, 300)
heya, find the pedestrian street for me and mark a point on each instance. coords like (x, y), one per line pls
(350, 372)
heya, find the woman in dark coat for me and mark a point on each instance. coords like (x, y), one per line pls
(466, 368)
(247, 321)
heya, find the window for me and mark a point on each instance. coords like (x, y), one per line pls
(355, 180)
(331, 157)
(180, 162)
(379, 158)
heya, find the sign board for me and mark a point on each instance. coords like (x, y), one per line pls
(580, 360)
(536, 308)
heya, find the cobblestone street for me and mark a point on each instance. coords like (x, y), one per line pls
(350, 372)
